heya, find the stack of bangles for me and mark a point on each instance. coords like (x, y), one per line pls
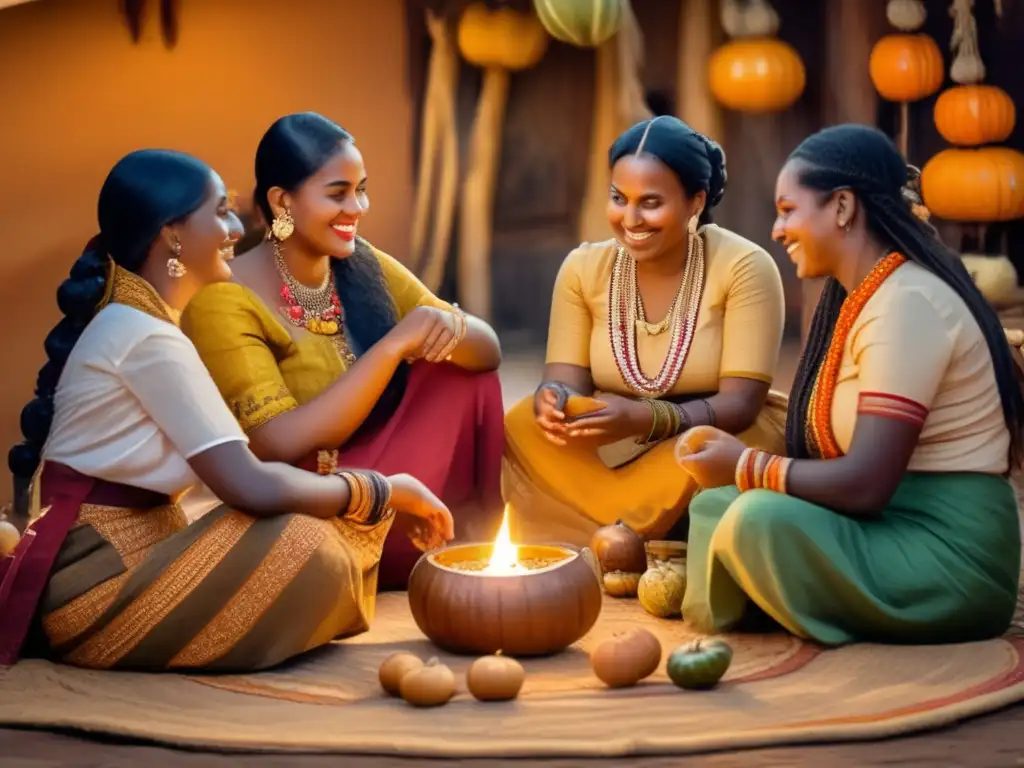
(369, 496)
(670, 420)
(460, 330)
(760, 469)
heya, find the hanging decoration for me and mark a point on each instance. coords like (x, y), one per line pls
(755, 71)
(976, 182)
(134, 12)
(500, 41)
(906, 67)
(583, 23)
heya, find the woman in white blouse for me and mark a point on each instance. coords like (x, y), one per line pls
(126, 419)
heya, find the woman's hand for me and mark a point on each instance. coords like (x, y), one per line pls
(549, 417)
(424, 334)
(621, 418)
(709, 455)
(423, 516)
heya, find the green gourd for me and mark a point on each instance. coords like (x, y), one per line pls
(699, 665)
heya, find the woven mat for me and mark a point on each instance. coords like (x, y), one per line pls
(779, 690)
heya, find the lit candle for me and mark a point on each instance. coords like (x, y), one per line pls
(505, 555)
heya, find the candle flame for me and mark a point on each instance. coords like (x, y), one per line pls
(505, 555)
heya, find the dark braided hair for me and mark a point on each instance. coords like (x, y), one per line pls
(697, 161)
(295, 148)
(865, 161)
(144, 192)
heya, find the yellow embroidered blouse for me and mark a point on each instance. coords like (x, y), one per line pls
(262, 369)
(739, 324)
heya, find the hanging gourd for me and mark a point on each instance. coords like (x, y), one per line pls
(755, 72)
(906, 67)
(976, 185)
(499, 41)
(437, 181)
(583, 23)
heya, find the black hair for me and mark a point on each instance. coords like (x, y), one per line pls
(143, 193)
(292, 150)
(865, 161)
(697, 161)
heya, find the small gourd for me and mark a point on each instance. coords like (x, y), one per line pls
(394, 668)
(9, 538)
(619, 550)
(495, 678)
(661, 590)
(627, 659)
(619, 584)
(699, 665)
(431, 685)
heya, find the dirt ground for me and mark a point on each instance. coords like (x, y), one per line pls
(995, 740)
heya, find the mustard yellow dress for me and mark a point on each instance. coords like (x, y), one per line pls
(565, 493)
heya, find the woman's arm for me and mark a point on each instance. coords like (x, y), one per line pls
(480, 350)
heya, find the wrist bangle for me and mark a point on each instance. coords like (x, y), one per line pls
(760, 469)
(667, 420)
(562, 394)
(369, 496)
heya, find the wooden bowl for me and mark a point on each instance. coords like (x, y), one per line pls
(535, 612)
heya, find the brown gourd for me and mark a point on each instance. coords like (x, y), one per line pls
(625, 660)
(394, 668)
(495, 678)
(431, 685)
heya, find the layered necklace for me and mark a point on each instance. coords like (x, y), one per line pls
(626, 318)
(821, 440)
(317, 310)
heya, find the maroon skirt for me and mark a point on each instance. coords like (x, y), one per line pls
(25, 572)
(449, 433)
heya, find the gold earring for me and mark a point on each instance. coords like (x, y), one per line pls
(174, 266)
(282, 226)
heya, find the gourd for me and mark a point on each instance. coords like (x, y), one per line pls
(495, 678)
(394, 668)
(699, 665)
(9, 538)
(661, 591)
(627, 659)
(431, 685)
(620, 551)
(975, 114)
(905, 67)
(583, 23)
(978, 185)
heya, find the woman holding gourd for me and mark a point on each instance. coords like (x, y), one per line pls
(332, 353)
(674, 323)
(891, 518)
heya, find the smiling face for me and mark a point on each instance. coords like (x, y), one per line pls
(808, 224)
(648, 209)
(329, 204)
(208, 236)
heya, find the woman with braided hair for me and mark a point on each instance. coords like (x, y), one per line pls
(675, 322)
(891, 517)
(125, 420)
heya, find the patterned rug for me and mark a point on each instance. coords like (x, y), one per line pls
(778, 690)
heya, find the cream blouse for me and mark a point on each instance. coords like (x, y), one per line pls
(135, 403)
(916, 353)
(739, 324)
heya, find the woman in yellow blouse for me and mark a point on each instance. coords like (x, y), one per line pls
(330, 352)
(891, 518)
(674, 323)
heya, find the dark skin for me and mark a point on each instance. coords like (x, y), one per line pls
(827, 239)
(230, 470)
(327, 210)
(649, 212)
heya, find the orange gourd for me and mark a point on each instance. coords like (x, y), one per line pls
(757, 74)
(502, 38)
(978, 185)
(975, 114)
(906, 67)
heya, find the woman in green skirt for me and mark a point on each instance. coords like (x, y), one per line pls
(891, 519)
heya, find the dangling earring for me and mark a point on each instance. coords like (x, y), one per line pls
(282, 226)
(174, 266)
(692, 226)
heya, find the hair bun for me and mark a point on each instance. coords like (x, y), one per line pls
(719, 173)
(911, 193)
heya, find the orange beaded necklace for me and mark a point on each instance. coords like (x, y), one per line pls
(821, 440)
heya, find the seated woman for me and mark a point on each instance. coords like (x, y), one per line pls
(311, 343)
(674, 323)
(125, 420)
(891, 518)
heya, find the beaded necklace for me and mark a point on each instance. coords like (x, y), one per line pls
(626, 317)
(317, 310)
(821, 440)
